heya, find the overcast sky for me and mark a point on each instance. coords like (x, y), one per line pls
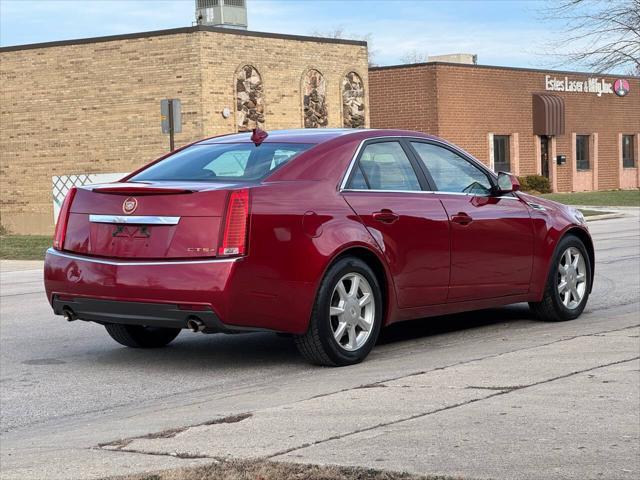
(509, 33)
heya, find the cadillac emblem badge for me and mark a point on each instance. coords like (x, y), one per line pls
(129, 205)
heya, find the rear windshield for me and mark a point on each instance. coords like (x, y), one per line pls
(223, 161)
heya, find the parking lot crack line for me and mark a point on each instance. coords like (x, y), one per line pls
(449, 407)
(121, 444)
(181, 455)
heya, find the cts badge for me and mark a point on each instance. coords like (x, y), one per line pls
(129, 205)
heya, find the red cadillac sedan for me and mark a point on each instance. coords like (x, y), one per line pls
(327, 235)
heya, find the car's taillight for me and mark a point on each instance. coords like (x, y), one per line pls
(63, 219)
(236, 225)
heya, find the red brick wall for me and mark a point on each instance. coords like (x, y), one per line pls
(463, 104)
(403, 98)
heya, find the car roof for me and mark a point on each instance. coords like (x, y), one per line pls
(313, 135)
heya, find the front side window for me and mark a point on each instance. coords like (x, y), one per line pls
(222, 162)
(582, 152)
(501, 154)
(450, 172)
(384, 166)
(628, 151)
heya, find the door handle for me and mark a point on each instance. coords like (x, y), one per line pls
(462, 219)
(385, 216)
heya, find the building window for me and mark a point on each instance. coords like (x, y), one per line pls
(249, 99)
(501, 154)
(628, 151)
(314, 90)
(352, 101)
(582, 152)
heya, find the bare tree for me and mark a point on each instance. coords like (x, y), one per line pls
(333, 32)
(414, 56)
(603, 35)
(339, 32)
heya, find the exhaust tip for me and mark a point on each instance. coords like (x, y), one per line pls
(195, 324)
(68, 314)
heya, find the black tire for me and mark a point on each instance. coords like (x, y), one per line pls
(318, 344)
(551, 308)
(135, 336)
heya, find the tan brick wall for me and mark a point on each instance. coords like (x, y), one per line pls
(281, 64)
(94, 107)
(472, 102)
(88, 108)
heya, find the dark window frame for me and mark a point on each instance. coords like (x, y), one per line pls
(583, 153)
(505, 150)
(628, 160)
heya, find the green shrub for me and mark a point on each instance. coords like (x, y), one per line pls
(535, 183)
(524, 186)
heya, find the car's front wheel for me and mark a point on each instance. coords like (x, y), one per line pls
(141, 337)
(568, 285)
(346, 317)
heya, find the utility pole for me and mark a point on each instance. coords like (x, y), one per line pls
(172, 143)
(171, 119)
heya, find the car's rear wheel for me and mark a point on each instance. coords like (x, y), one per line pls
(141, 337)
(346, 317)
(568, 284)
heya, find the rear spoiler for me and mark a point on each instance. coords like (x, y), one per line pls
(140, 190)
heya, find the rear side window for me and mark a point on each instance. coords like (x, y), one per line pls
(384, 166)
(223, 161)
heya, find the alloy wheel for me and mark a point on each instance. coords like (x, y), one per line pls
(352, 311)
(572, 278)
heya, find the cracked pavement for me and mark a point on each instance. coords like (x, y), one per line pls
(490, 394)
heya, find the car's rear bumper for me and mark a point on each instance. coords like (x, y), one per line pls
(154, 293)
(229, 295)
(135, 313)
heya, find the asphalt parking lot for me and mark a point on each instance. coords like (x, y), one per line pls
(490, 394)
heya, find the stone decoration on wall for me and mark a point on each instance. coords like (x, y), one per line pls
(352, 101)
(249, 99)
(314, 89)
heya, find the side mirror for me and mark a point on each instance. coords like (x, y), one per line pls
(507, 183)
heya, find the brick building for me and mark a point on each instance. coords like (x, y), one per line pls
(93, 105)
(520, 120)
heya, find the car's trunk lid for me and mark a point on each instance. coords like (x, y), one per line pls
(151, 220)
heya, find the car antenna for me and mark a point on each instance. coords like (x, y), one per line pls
(258, 136)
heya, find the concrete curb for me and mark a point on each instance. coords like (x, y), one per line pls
(607, 212)
(606, 216)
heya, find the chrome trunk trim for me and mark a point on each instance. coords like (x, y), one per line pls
(134, 219)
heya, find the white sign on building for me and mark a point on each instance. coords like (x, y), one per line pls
(599, 86)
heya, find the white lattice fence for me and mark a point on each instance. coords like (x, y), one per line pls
(63, 183)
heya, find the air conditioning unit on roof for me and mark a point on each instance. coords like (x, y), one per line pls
(222, 13)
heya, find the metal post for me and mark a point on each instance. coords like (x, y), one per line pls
(171, 127)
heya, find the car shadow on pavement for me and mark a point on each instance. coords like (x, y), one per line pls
(426, 327)
(194, 352)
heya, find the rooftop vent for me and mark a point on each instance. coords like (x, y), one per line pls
(222, 13)
(466, 58)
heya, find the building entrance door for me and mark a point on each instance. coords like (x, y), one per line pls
(544, 155)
